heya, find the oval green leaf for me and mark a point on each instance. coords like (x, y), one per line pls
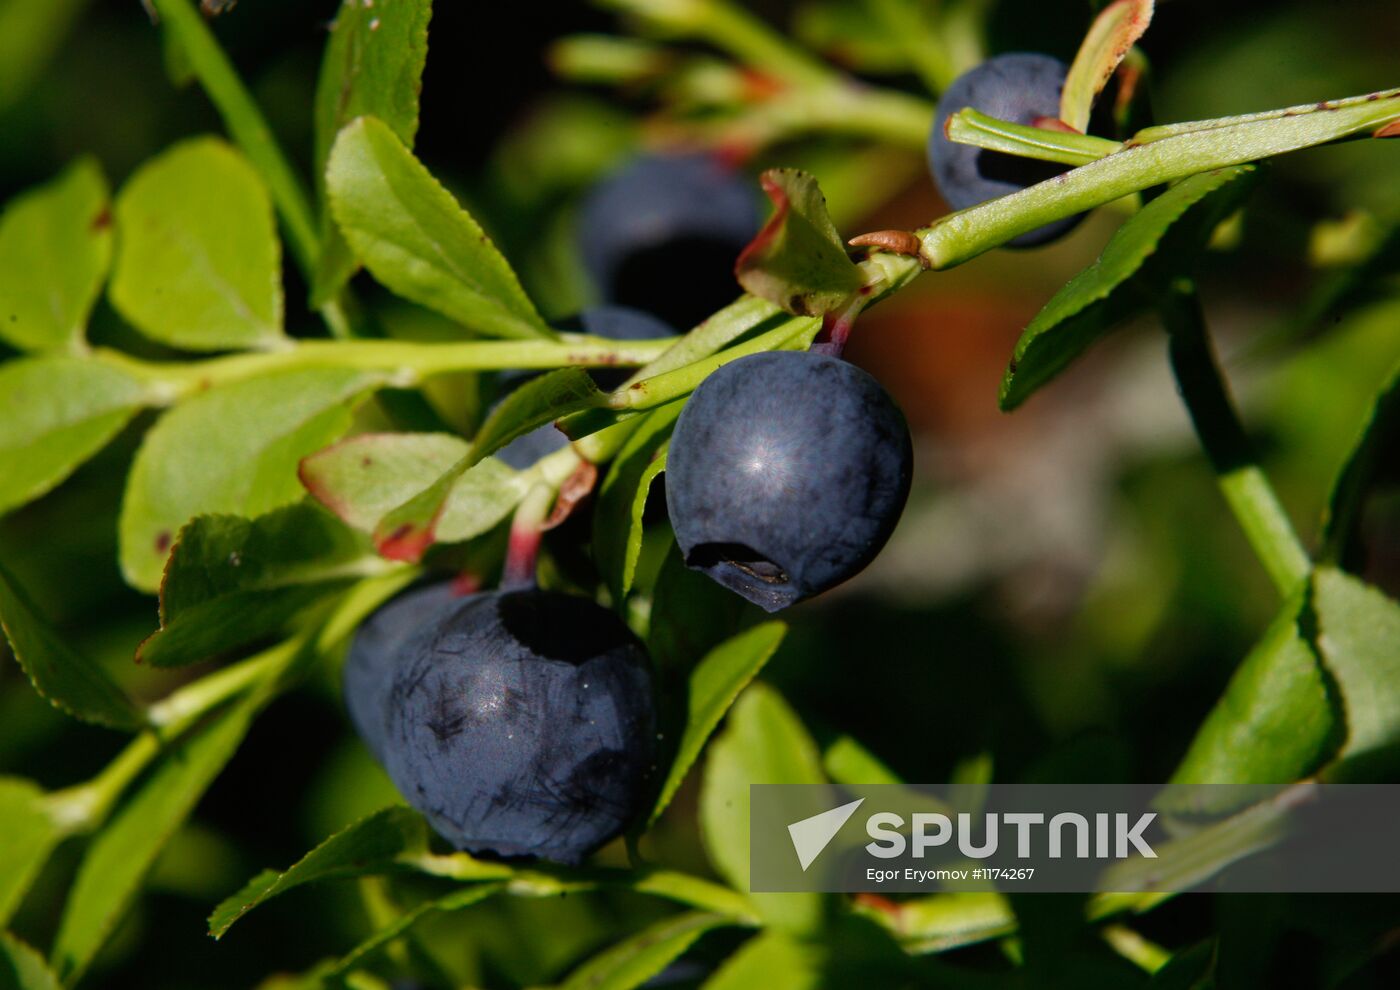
(233, 449)
(198, 262)
(55, 245)
(55, 413)
(415, 239)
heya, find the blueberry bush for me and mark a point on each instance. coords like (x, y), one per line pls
(395, 521)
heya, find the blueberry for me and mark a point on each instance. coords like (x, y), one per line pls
(369, 664)
(786, 473)
(610, 322)
(521, 724)
(663, 232)
(1018, 87)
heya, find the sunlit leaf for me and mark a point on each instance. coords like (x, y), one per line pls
(363, 478)
(415, 238)
(55, 413)
(233, 449)
(55, 245)
(198, 262)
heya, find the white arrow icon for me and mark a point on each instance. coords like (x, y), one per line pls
(811, 835)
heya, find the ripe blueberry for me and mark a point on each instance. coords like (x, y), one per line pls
(786, 473)
(1018, 87)
(662, 234)
(520, 723)
(610, 322)
(369, 664)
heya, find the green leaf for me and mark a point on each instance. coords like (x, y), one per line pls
(1112, 35)
(713, 685)
(231, 580)
(66, 679)
(120, 856)
(55, 245)
(21, 968)
(373, 66)
(622, 497)
(55, 413)
(233, 449)
(1163, 241)
(363, 478)
(1380, 433)
(416, 239)
(797, 260)
(1358, 637)
(370, 845)
(406, 532)
(633, 961)
(763, 743)
(198, 264)
(1275, 722)
(773, 961)
(28, 834)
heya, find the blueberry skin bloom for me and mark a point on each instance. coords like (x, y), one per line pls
(1018, 87)
(662, 234)
(610, 322)
(378, 643)
(524, 725)
(786, 474)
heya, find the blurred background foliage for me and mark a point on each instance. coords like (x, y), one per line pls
(1064, 599)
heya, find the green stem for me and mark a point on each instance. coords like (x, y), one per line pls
(964, 235)
(250, 130)
(977, 129)
(1266, 526)
(408, 361)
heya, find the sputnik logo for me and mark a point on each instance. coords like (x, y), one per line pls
(811, 835)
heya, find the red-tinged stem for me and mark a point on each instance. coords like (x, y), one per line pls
(526, 529)
(837, 325)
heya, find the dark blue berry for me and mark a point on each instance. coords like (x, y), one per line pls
(610, 322)
(1018, 87)
(786, 474)
(369, 663)
(521, 723)
(663, 232)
